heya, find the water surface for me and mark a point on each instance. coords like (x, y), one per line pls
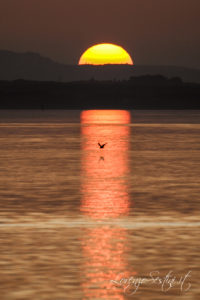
(74, 217)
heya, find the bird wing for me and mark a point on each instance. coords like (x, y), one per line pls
(99, 144)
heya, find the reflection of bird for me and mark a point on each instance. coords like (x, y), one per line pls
(101, 158)
(101, 146)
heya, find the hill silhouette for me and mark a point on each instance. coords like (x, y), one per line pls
(32, 66)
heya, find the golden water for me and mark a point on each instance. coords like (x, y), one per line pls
(74, 217)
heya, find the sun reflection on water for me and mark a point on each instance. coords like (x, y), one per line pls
(105, 171)
(104, 196)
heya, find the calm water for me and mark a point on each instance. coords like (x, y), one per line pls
(74, 217)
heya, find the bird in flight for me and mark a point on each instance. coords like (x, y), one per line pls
(101, 146)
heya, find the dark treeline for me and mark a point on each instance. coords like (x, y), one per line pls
(144, 92)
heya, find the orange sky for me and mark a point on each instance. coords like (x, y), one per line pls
(154, 32)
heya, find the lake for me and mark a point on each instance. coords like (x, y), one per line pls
(80, 222)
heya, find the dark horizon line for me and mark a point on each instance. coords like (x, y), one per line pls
(153, 92)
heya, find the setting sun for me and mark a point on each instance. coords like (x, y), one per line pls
(102, 54)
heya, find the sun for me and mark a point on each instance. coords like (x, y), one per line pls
(105, 53)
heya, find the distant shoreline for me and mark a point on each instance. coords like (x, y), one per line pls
(144, 92)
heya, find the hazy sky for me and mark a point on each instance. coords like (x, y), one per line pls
(159, 32)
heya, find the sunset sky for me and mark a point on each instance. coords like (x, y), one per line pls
(154, 32)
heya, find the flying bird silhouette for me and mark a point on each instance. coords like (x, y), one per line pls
(101, 146)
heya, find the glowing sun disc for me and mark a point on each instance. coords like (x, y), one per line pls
(105, 53)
